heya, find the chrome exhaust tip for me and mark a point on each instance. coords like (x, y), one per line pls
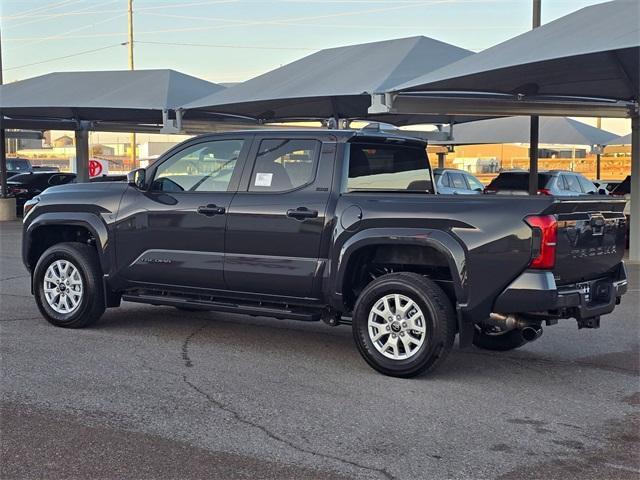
(531, 333)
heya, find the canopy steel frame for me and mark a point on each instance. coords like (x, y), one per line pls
(498, 105)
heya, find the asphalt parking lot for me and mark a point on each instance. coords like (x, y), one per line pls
(152, 392)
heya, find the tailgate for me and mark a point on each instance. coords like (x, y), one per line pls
(591, 237)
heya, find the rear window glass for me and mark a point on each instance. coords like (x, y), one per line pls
(18, 165)
(516, 181)
(388, 167)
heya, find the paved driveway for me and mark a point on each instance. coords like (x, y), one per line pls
(152, 392)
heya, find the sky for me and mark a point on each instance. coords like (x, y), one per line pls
(234, 40)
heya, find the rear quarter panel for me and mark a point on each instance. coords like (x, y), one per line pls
(490, 230)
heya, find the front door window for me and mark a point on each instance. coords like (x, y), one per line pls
(205, 167)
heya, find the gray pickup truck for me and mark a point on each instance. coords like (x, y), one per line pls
(340, 226)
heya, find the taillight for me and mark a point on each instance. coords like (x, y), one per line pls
(544, 191)
(545, 237)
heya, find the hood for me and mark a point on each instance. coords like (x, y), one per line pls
(87, 188)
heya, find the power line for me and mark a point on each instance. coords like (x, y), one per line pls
(181, 5)
(312, 17)
(248, 47)
(273, 21)
(64, 36)
(78, 12)
(34, 14)
(66, 56)
(43, 8)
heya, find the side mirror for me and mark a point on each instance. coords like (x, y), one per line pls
(136, 178)
(602, 191)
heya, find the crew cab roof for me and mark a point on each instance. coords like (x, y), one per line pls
(340, 136)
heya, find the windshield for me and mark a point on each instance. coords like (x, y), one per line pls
(377, 167)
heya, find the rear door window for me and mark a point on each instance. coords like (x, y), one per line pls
(284, 164)
(457, 180)
(474, 183)
(386, 167)
(445, 179)
(572, 184)
(587, 186)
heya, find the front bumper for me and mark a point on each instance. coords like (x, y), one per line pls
(536, 292)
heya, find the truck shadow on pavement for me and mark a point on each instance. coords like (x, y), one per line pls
(335, 348)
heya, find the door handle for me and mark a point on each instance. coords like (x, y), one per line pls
(211, 210)
(302, 213)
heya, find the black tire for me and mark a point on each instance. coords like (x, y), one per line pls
(502, 342)
(439, 317)
(91, 305)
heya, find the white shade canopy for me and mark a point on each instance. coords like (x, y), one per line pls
(553, 130)
(593, 52)
(121, 95)
(335, 82)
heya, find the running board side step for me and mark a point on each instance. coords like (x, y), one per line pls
(228, 307)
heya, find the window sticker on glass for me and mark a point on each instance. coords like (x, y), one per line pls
(263, 179)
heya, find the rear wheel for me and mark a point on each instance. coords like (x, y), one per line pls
(68, 285)
(403, 324)
(494, 338)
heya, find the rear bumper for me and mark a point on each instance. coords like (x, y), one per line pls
(536, 292)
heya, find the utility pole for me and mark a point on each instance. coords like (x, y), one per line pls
(0, 58)
(537, 13)
(131, 67)
(598, 151)
(3, 145)
(534, 133)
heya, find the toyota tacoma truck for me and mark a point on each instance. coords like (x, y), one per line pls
(334, 225)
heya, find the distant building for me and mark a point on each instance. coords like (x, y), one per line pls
(99, 149)
(63, 141)
(153, 149)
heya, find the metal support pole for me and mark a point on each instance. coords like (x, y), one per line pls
(533, 155)
(3, 163)
(441, 158)
(634, 210)
(3, 145)
(82, 152)
(535, 120)
(131, 67)
(599, 150)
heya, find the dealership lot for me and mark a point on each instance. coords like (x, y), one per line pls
(154, 392)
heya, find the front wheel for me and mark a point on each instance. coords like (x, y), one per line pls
(68, 285)
(403, 324)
